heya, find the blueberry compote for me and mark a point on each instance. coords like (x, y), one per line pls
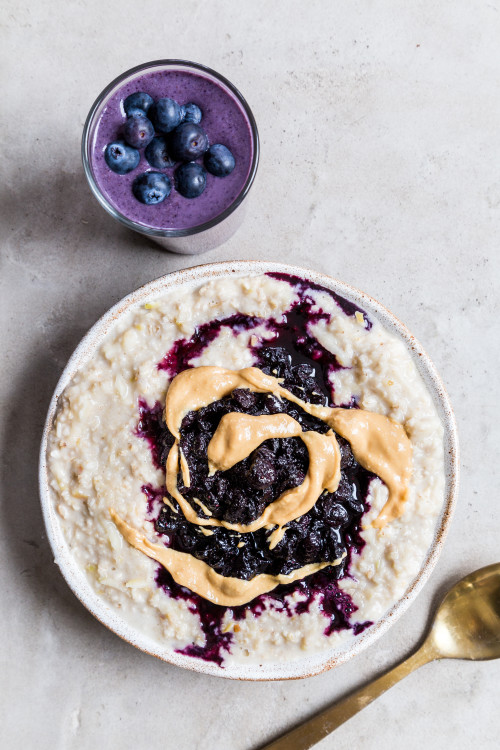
(328, 531)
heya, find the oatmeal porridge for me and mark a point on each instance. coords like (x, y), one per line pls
(248, 471)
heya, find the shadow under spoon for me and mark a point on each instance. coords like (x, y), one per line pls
(466, 626)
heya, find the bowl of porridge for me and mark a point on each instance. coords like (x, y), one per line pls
(248, 469)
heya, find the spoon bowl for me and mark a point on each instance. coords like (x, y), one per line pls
(465, 626)
(467, 623)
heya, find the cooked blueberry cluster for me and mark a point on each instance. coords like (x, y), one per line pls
(240, 494)
(172, 136)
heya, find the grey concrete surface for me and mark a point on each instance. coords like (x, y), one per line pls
(380, 165)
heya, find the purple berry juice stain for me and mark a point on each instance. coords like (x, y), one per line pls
(319, 589)
(179, 357)
(210, 616)
(152, 428)
(154, 498)
(149, 427)
(302, 286)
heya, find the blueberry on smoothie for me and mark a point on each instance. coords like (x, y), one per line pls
(219, 161)
(190, 179)
(121, 158)
(192, 113)
(135, 112)
(137, 100)
(157, 153)
(151, 188)
(138, 131)
(188, 142)
(166, 115)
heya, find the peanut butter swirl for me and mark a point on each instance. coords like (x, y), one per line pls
(378, 443)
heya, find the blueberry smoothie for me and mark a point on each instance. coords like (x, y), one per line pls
(187, 191)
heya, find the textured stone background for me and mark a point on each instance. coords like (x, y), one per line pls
(380, 165)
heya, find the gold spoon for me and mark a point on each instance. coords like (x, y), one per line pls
(466, 626)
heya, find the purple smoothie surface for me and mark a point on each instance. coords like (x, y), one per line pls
(331, 528)
(224, 121)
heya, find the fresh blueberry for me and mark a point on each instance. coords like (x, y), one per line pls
(138, 100)
(166, 115)
(157, 153)
(151, 188)
(190, 179)
(120, 157)
(192, 113)
(138, 131)
(188, 142)
(219, 161)
(135, 112)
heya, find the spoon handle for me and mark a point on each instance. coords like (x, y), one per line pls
(312, 731)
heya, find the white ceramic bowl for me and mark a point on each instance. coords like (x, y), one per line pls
(101, 609)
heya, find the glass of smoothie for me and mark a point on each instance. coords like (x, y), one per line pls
(178, 223)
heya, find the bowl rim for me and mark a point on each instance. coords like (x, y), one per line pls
(312, 664)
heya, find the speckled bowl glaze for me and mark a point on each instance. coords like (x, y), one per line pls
(312, 664)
